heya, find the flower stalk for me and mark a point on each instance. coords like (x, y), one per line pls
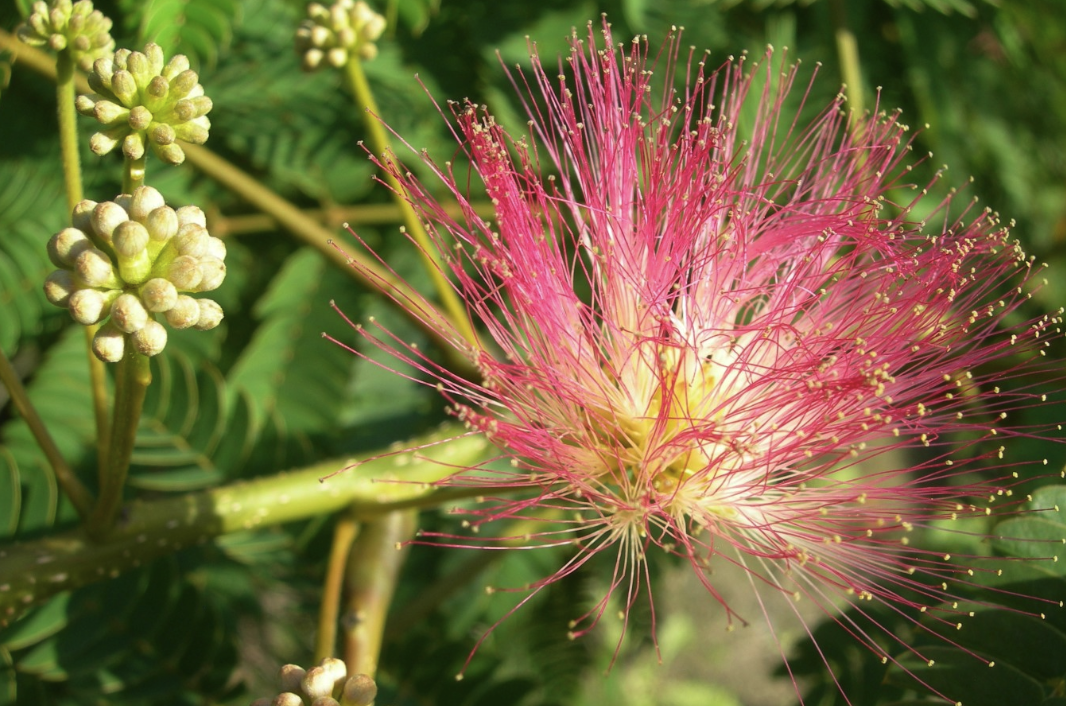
(848, 53)
(133, 377)
(373, 569)
(429, 253)
(344, 534)
(68, 127)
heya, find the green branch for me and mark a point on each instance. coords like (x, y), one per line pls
(31, 572)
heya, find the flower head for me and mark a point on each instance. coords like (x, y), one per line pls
(144, 103)
(61, 25)
(125, 261)
(337, 32)
(716, 321)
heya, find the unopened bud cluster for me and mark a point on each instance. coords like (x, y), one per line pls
(337, 32)
(131, 259)
(328, 684)
(76, 27)
(146, 103)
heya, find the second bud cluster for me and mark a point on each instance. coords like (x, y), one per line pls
(128, 260)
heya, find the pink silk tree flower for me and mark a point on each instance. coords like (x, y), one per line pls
(708, 321)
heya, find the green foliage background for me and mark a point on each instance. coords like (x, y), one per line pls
(264, 392)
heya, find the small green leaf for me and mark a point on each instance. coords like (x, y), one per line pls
(44, 621)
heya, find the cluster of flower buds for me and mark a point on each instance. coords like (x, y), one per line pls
(130, 259)
(328, 684)
(337, 32)
(143, 103)
(63, 25)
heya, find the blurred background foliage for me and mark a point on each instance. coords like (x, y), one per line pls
(984, 81)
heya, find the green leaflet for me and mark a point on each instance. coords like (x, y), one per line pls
(200, 29)
(31, 210)
(60, 392)
(151, 635)
(191, 436)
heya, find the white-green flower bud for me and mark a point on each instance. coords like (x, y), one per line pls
(195, 131)
(162, 224)
(184, 272)
(100, 77)
(325, 701)
(94, 268)
(110, 113)
(337, 56)
(144, 200)
(124, 201)
(65, 246)
(263, 702)
(159, 295)
(162, 134)
(191, 108)
(185, 313)
(106, 217)
(109, 344)
(359, 690)
(130, 238)
(124, 86)
(287, 699)
(211, 314)
(128, 313)
(178, 63)
(156, 61)
(182, 84)
(192, 214)
(335, 668)
(317, 682)
(216, 248)
(140, 118)
(140, 68)
(133, 146)
(312, 59)
(346, 36)
(103, 142)
(150, 340)
(88, 306)
(290, 677)
(171, 154)
(58, 286)
(319, 36)
(81, 217)
(213, 272)
(338, 16)
(155, 93)
(192, 239)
